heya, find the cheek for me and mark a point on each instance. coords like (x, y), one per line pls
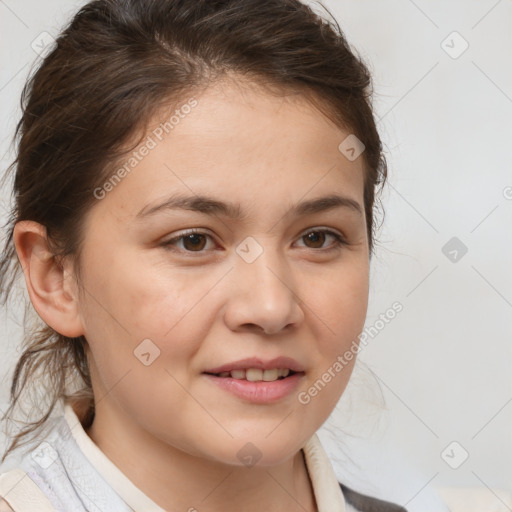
(136, 298)
(341, 306)
(131, 302)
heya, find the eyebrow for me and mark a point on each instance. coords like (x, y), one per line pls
(211, 206)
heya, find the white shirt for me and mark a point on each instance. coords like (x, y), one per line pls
(68, 472)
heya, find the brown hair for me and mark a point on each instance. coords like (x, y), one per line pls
(113, 67)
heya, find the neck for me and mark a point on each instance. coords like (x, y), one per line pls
(177, 480)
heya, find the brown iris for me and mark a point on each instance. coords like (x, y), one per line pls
(316, 236)
(195, 242)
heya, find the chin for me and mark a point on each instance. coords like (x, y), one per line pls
(259, 452)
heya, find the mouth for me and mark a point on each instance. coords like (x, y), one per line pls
(256, 374)
(257, 386)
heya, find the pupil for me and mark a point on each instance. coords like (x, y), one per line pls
(315, 236)
(193, 238)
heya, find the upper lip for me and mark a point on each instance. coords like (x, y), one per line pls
(255, 362)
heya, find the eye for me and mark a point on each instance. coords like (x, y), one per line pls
(317, 237)
(193, 240)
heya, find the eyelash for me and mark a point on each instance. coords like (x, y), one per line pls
(339, 240)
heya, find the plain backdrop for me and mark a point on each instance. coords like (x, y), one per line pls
(443, 99)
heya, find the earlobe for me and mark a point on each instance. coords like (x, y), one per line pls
(48, 283)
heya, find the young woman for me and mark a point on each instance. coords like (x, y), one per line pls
(194, 218)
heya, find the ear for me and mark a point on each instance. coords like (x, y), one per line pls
(51, 286)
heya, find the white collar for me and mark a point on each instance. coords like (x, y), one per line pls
(328, 494)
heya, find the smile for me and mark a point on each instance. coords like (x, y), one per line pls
(256, 374)
(258, 391)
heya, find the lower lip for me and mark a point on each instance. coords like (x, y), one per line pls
(260, 392)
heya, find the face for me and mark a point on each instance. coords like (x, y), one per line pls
(260, 277)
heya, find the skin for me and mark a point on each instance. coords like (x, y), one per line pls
(171, 432)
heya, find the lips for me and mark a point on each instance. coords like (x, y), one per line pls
(256, 375)
(257, 363)
(259, 392)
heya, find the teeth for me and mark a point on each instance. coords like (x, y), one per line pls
(270, 375)
(255, 374)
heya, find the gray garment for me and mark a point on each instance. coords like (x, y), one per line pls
(71, 483)
(59, 468)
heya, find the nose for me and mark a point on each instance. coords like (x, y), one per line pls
(262, 295)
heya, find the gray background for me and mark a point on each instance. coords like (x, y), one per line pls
(443, 364)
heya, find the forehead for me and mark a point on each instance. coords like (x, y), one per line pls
(241, 141)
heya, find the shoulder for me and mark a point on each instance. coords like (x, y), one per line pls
(22, 493)
(8, 480)
(364, 503)
(4, 506)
